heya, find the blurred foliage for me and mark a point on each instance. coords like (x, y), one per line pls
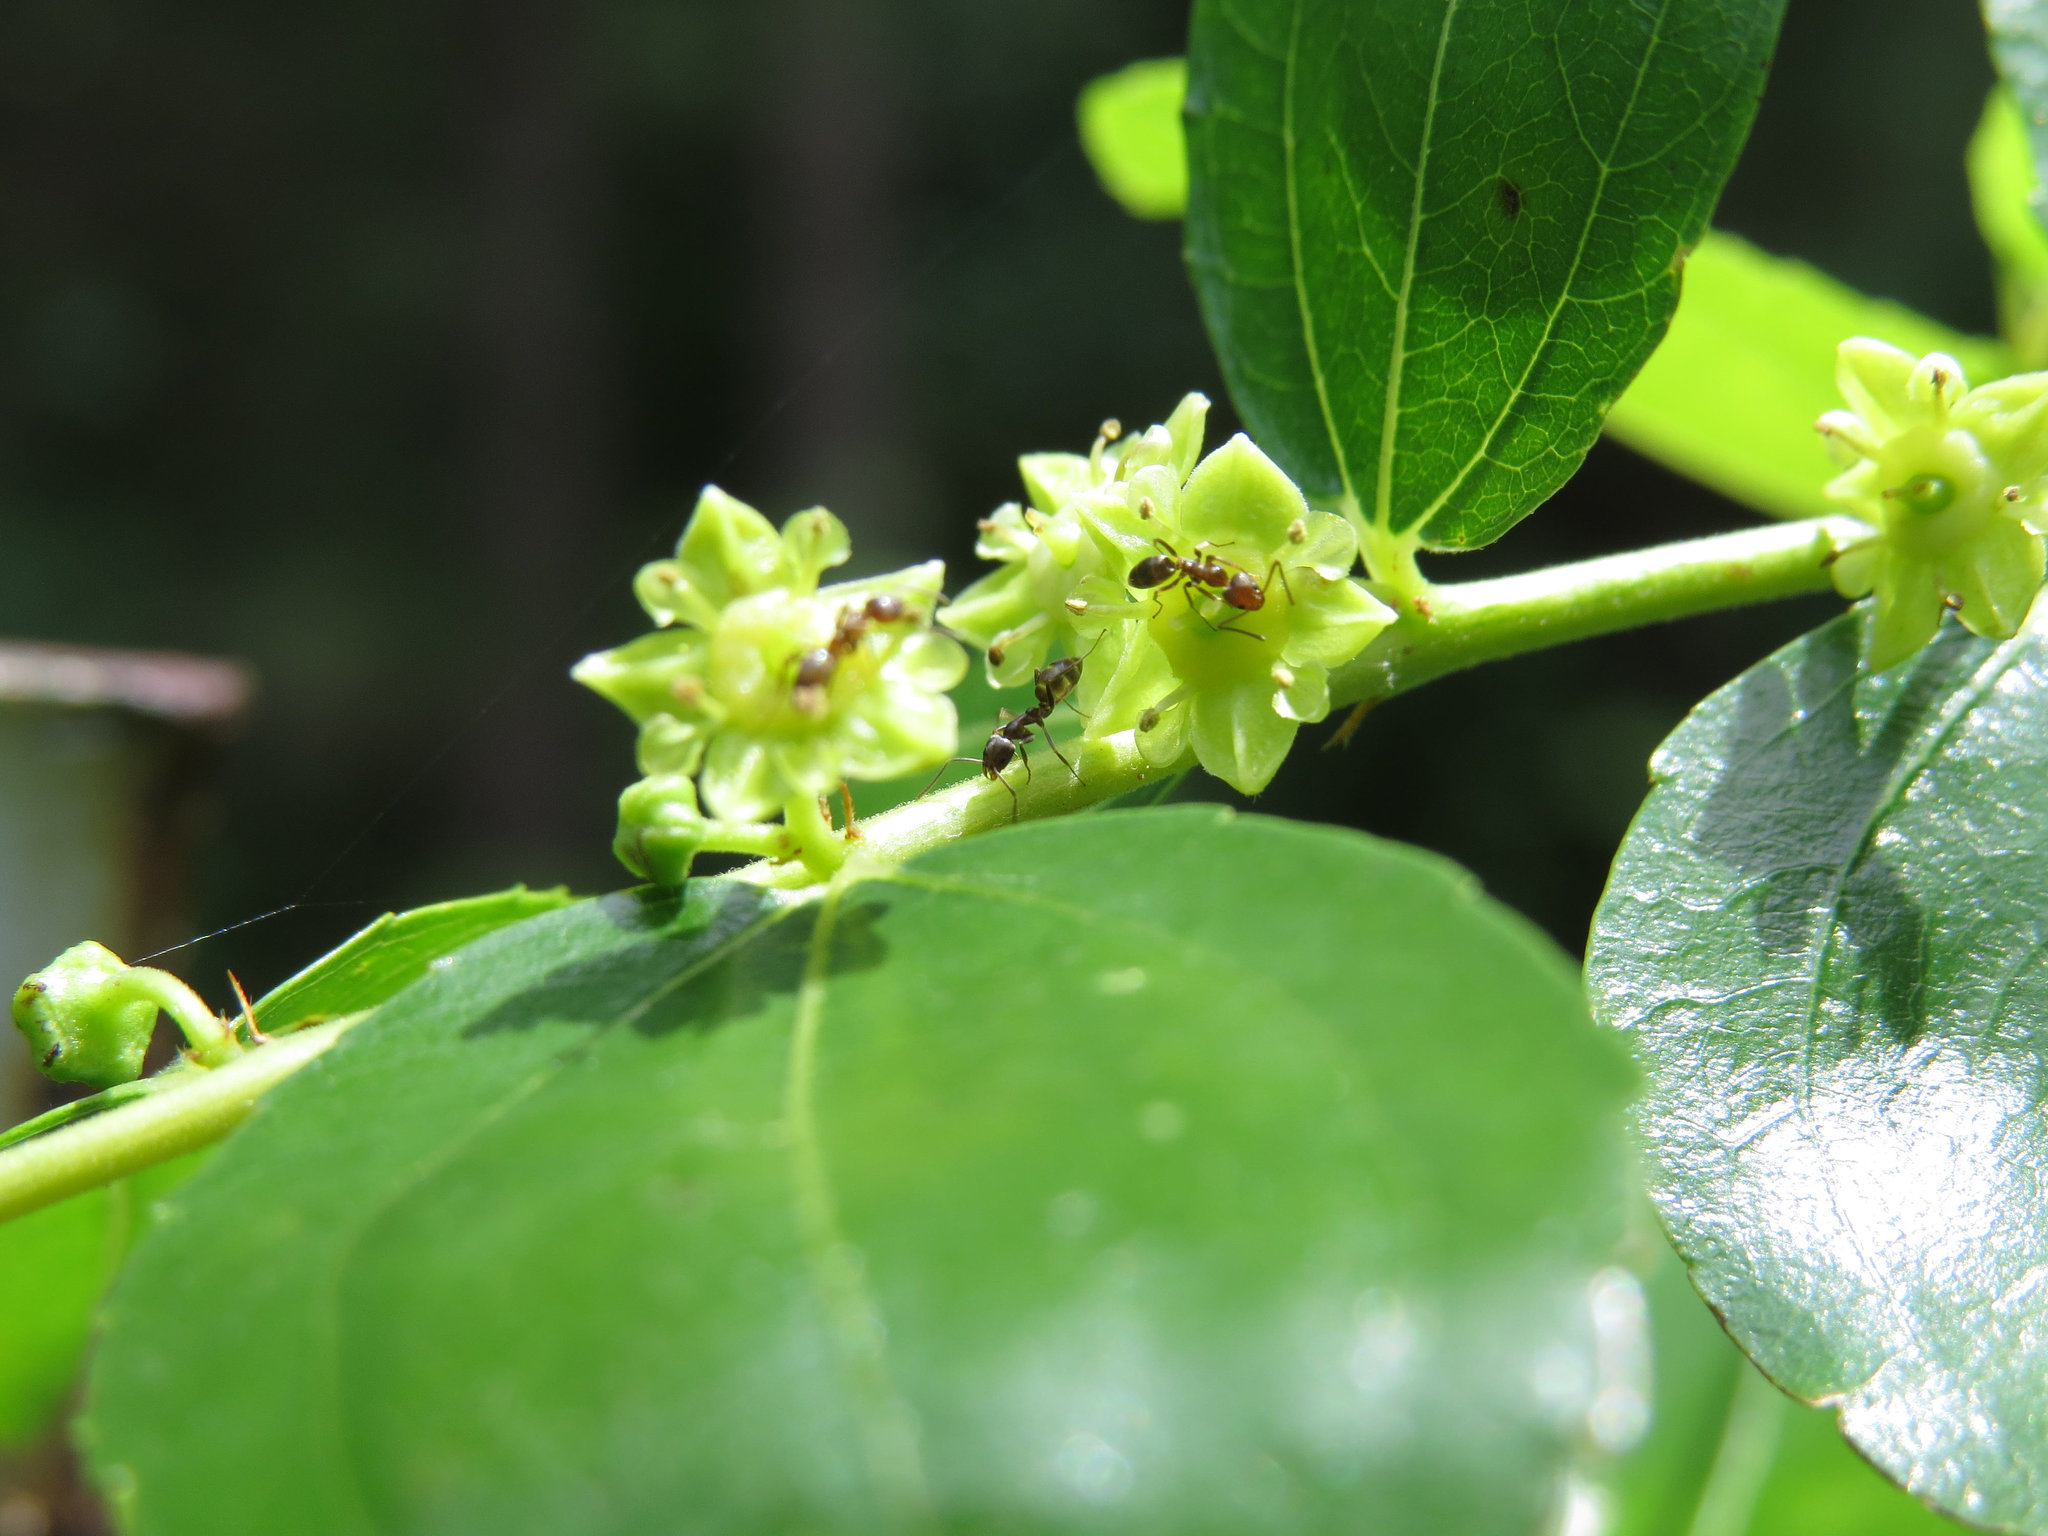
(280, 283)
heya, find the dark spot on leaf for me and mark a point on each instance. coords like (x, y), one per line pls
(52, 1054)
(1510, 197)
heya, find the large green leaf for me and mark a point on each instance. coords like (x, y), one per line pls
(1731, 396)
(1728, 1454)
(1434, 239)
(55, 1262)
(1146, 1171)
(1825, 936)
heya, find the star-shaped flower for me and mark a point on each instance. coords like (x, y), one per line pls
(767, 689)
(1954, 484)
(1235, 663)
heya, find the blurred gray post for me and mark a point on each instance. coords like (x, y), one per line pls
(107, 760)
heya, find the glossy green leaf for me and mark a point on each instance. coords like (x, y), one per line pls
(1131, 132)
(1081, 1177)
(1825, 939)
(1728, 1454)
(1434, 239)
(1731, 396)
(394, 952)
(2005, 192)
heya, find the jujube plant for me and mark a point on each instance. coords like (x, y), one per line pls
(975, 1164)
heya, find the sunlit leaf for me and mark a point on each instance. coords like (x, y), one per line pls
(1077, 1178)
(1728, 1454)
(1731, 396)
(2005, 191)
(1131, 131)
(1825, 939)
(1434, 240)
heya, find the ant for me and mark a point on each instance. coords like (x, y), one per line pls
(816, 668)
(1051, 684)
(1230, 582)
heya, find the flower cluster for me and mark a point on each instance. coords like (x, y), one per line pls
(1209, 601)
(1953, 482)
(763, 691)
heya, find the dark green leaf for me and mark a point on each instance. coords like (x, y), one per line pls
(1160, 1171)
(1825, 936)
(394, 952)
(2005, 193)
(1434, 239)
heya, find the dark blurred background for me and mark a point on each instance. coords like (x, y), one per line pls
(377, 343)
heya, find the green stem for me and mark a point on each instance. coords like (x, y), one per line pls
(200, 1109)
(822, 850)
(1445, 630)
(1441, 630)
(212, 1043)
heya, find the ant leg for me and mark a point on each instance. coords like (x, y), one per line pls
(949, 762)
(1228, 626)
(1056, 752)
(852, 826)
(1025, 758)
(1277, 569)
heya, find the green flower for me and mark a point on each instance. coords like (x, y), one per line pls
(1184, 666)
(88, 1017)
(1049, 549)
(768, 690)
(1954, 484)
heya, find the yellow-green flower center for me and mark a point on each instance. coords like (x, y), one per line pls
(1211, 645)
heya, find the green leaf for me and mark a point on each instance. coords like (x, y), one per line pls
(394, 952)
(2005, 191)
(55, 1263)
(1728, 1454)
(1731, 396)
(1434, 239)
(1147, 1171)
(1824, 937)
(53, 1266)
(1131, 131)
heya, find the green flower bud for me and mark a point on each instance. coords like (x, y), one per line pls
(660, 828)
(88, 1017)
(1954, 485)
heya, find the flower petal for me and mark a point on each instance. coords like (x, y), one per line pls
(1329, 546)
(813, 542)
(1239, 496)
(1855, 569)
(1306, 698)
(927, 661)
(738, 781)
(1872, 376)
(1185, 426)
(1239, 737)
(1052, 480)
(729, 550)
(1995, 578)
(653, 675)
(1907, 610)
(1332, 622)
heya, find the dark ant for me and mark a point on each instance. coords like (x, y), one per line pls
(1222, 579)
(816, 668)
(1051, 684)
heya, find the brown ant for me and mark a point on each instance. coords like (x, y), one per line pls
(1051, 684)
(1223, 579)
(816, 667)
